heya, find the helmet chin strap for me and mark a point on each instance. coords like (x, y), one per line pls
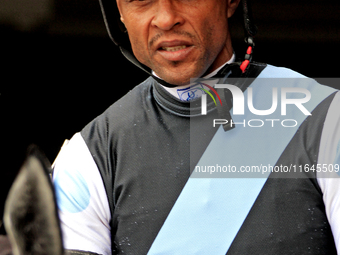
(129, 56)
(237, 67)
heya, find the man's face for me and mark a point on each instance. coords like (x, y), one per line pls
(179, 39)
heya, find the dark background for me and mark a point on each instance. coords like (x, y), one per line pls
(59, 68)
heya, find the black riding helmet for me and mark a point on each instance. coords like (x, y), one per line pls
(119, 36)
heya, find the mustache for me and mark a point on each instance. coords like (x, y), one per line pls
(160, 35)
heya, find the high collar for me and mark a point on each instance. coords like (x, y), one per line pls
(193, 108)
(176, 106)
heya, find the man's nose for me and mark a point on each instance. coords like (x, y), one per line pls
(166, 16)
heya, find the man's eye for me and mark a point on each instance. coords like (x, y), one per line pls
(139, 2)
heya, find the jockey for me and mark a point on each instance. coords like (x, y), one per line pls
(157, 174)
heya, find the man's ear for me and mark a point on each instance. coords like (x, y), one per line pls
(119, 9)
(232, 6)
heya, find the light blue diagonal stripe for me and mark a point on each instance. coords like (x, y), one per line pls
(210, 211)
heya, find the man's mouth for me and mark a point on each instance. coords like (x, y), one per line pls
(175, 48)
